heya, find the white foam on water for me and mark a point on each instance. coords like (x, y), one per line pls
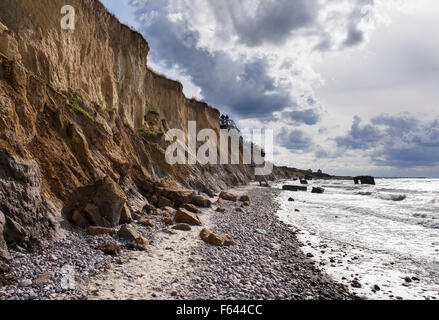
(377, 234)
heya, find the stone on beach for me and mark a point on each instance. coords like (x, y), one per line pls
(146, 222)
(182, 227)
(228, 196)
(99, 204)
(164, 202)
(128, 233)
(97, 231)
(110, 248)
(125, 217)
(192, 208)
(184, 216)
(216, 239)
(201, 201)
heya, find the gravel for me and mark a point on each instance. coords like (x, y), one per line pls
(266, 262)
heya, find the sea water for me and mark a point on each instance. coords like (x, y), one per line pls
(385, 235)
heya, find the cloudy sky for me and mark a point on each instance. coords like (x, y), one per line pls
(349, 86)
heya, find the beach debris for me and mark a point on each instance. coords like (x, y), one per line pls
(192, 208)
(146, 222)
(228, 196)
(216, 239)
(182, 227)
(128, 233)
(99, 204)
(125, 217)
(110, 248)
(97, 231)
(184, 216)
(164, 202)
(201, 201)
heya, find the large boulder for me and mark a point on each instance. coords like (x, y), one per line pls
(100, 204)
(219, 240)
(128, 233)
(228, 196)
(126, 217)
(165, 202)
(178, 196)
(190, 207)
(184, 216)
(201, 202)
(25, 217)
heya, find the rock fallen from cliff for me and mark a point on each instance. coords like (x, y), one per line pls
(100, 204)
(220, 209)
(146, 222)
(128, 233)
(98, 231)
(179, 197)
(110, 248)
(182, 227)
(26, 218)
(6, 277)
(165, 202)
(125, 217)
(192, 208)
(228, 196)
(184, 216)
(244, 198)
(201, 201)
(219, 240)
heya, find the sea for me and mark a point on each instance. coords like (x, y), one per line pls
(381, 241)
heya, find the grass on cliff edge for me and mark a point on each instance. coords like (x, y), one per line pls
(75, 104)
(154, 112)
(150, 134)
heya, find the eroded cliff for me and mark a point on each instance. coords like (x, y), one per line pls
(80, 105)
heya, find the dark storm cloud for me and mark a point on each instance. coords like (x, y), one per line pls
(398, 141)
(243, 87)
(360, 137)
(274, 21)
(295, 140)
(308, 117)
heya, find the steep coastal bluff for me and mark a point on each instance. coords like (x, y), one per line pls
(78, 107)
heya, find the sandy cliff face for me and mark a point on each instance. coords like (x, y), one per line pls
(101, 60)
(71, 106)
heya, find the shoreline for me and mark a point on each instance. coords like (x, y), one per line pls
(266, 263)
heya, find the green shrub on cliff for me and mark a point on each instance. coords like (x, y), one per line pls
(154, 112)
(150, 134)
(75, 104)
